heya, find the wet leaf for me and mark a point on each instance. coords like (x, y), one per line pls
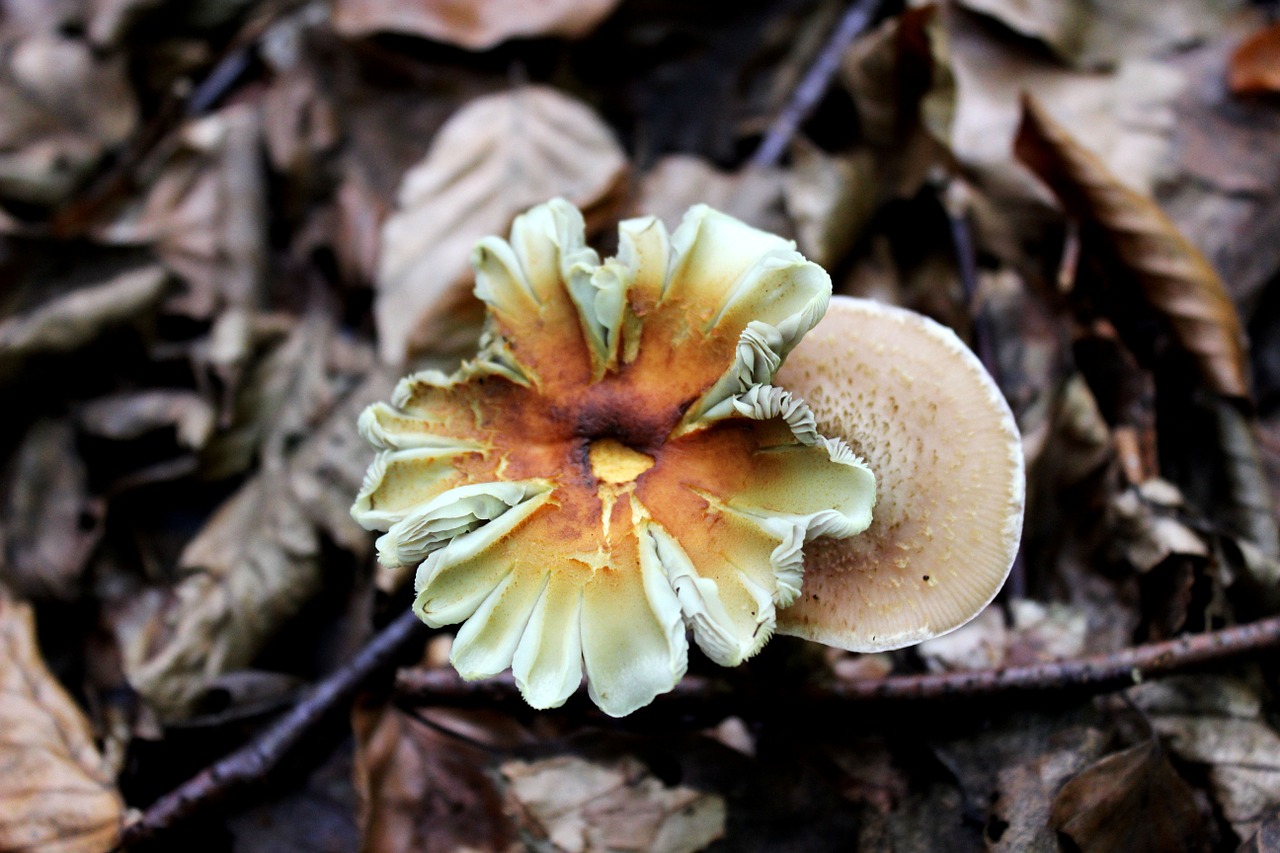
(70, 320)
(421, 789)
(1218, 724)
(55, 794)
(473, 24)
(580, 806)
(50, 523)
(1173, 275)
(1255, 65)
(1132, 800)
(495, 157)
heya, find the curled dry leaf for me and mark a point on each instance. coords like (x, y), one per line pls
(56, 795)
(495, 157)
(473, 24)
(1132, 800)
(583, 807)
(421, 789)
(1219, 725)
(1174, 277)
(1255, 65)
(71, 320)
(61, 109)
(50, 523)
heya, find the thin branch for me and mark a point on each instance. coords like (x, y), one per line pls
(1095, 674)
(252, 762)
(814, 84)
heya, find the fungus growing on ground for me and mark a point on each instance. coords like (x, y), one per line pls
(919, 407)
(616, 468)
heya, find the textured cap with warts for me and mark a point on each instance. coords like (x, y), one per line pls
(917, 405)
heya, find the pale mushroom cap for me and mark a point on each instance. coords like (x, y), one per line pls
(912, 400)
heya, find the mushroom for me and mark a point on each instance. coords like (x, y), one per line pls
(918, 406)
(615, 467)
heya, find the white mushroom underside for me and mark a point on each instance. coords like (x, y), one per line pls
(912, 400)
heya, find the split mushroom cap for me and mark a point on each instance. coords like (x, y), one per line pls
(913, 401)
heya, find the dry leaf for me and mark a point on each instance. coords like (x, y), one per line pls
(679, 181)
(1219, 724)
(133, 414)
(1089, 34)
(420, 789)
(583, 807)
(1132, 800)
(1255, 65)
(56, 796)
(1173, 275)
(1266, 839)
(495, 157)
(69, 321)
(61, 109)
(50, 523)
(473, 24)
(831, 198)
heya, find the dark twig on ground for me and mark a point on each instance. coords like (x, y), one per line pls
(814, 84)
(255, 760)
(1094, 674)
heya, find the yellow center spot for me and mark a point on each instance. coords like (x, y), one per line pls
(614, 462)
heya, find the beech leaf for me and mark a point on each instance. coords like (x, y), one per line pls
(494, 158)
(56, 795)
(473, 24)
(1173, 275)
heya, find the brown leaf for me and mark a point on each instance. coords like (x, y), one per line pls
(473, 24)
(61, 109)
(67, 322)
(133, 414)
(1255, 64)
(1132, 800)
(495, 157)
(1266, 839)
(581, 806)
(50, 523)
(1218, 724)
(679, 181)
(55, 794)
(1173, 275)
(420, 789)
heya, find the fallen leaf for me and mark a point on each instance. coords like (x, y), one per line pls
(50, 523)
(1255, 64)
(70, 320)
(62, 108)
(1132, 800)
(421, 789)
(1266, 839)
(1172, 274)
(583, 807)
(55, 794)
(679, 181)
(495, 157)
(1218, 723)
(133, 414)
(831, 198)
(1037, 633)
(473, 24)
(1089, 34)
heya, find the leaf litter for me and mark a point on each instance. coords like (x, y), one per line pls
(263, 211)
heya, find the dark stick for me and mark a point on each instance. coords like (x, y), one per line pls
(814, 83)
(252, 762)
(1097, 673)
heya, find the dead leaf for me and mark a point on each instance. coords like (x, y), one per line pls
(133, 414)
(1266, 839)
(68, 321)
(831, 198)
(62, 108)
(495, 157)
(1173, 275)
(1132, 800)
(1038, 632)
(473, 24)
(1088, 34)
(1218, 723)
(50, 523)
(1255, 64)
(420, 789)
(583, 807)
(679, 181)
(55, 794)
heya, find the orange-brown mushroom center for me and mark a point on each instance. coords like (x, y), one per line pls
(614, 462)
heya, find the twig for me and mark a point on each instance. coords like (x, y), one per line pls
(252, 762)
(1095, 674)
(814, 83)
